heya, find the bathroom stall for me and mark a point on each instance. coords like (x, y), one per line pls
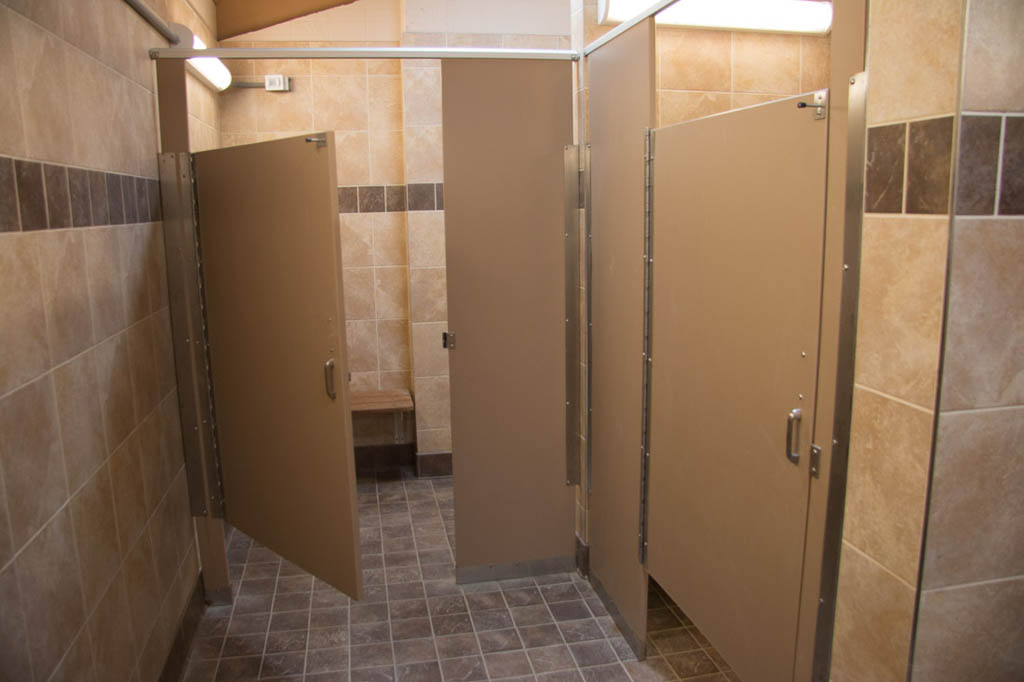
(256, 271)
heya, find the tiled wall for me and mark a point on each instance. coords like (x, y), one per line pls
(913, 65)
(707, 72)
(97, 556)
(972, 587)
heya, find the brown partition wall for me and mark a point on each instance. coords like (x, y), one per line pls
(505, 126)
(622, 106)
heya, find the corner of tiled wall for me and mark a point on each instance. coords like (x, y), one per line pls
(972, 586)
(913, 68)
(97, 551)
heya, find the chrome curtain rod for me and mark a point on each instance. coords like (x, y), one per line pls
(154, 20)
(360, 53)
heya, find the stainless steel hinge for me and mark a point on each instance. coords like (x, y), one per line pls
(448, 340)
(816, 461)
(819, 103)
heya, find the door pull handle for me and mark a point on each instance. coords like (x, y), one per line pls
(329, 379)
(792, 441)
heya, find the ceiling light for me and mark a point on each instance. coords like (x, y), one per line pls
(210, 69)
(773, 16)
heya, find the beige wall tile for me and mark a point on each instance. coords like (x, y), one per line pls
(473, 40)
(287, 111)
(51, 593)
(237, 139)
(110, 630)
(95, 527)
(41, 85)
(429, 294)
(970, 633)
(33, 464)
(364, 381)
(890, 447)
(356, 239)
(386, 157)
(69, 322)
(113, 376)
(361, 338)
(14, 656)
(984, 363)
(238, 107)
(389, 239)
(392, 293)
(12, 132)
(433, 403)
(676, 107)
(976, 507)
(874, 617)
(429, 358)
(93, 93)
(514, 41)
(424, 157)
(903, 267)
(155, 462)
(81, 419)
(385, 102)
(993, 57)
(163, 351)
(396, 380)
(913, 57)
(426, 238)
(144, 593)
(339, 103)
(6, 543)
(337, 67)
(765, 62)
(78, 662)
(133, 244)
(393, 340)
(106, 284)
(694, 60)
(359, 294)
(23, 334)
(383, 67)
(142, 363)
(815, 62)
(353, 151)
(434, 440)
(128, 489)
(422, 96)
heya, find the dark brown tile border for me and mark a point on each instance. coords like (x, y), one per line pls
(929, 165)
(417, 196)
(387, 456)
(978, 166)
(1011, 191)
(883, 188)
(38, 196)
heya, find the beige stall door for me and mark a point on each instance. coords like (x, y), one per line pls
(739, 206)
(505, 126)
(621, 109)
(268, 223)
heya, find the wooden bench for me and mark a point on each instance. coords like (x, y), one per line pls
(396, 402)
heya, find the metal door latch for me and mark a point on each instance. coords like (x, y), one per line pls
(816, 461)
(448, 340)
(819, 104)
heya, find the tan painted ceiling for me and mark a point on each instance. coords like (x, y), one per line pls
(235, 17)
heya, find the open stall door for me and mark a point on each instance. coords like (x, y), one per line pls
(739, 209)
(270, 252)
(505, 125)
(621, 109)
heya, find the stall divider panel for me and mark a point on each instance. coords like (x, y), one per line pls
(739, 215)
(271, 266)
(621, 109)
(506, 124)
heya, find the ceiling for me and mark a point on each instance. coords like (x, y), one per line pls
(235, 17)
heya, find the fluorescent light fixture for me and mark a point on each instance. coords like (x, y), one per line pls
(772, 16)
(210, 69)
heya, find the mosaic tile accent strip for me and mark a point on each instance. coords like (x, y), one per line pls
(40, 196)
(426, 196)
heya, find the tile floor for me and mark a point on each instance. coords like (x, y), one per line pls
(414, 624)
